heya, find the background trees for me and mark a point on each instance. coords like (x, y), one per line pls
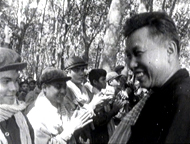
(46, 32)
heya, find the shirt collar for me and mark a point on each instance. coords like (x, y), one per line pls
(178, 76)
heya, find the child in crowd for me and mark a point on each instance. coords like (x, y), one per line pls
(114, 81)
(103, 122)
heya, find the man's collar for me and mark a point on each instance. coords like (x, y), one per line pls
(179, 75)
(95, 90)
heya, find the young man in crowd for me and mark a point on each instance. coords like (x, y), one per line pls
(152, 52)
(103, 122)
(32, 85)
(24, 89)
(14, 126)
(78, 97)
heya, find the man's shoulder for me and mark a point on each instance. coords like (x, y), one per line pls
(30, 96)
(180, 82)
(183, 86)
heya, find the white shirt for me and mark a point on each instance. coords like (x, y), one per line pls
(45, 120)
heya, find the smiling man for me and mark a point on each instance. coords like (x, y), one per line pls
(152, 51)
(49, 124)
(14, 126)
(78, 97)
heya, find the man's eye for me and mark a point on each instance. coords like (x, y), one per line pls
(58, 86)
(5, 81)
(17, 80)
(138, 53)
(128, 56)
(104, 79)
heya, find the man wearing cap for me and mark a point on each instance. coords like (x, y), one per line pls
(14, 126)
(46, 118)
(78, 96)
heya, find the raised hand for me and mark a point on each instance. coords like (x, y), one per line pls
(80, 118)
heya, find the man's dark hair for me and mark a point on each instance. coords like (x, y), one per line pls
(95, 74)
(23, 82)
(159, 24)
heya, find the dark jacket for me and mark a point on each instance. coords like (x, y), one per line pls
(165, 117)
(12, 132)
(100, 133)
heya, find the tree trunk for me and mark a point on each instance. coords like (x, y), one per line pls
(172, 9)
(163, 5)
(111, 37)
(151, 5)
(42, 21)
(98, 54)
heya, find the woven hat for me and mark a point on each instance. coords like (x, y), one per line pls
(10, 60)
(51, 74)
(74, 61)
(112, 75)
(119, 68)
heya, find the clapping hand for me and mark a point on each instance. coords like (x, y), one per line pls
(100, 98)
(80, 118)
(118, 104)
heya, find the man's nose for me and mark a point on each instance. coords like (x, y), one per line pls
(81, 72)
(13, 86)
(133, 63)
(63, 91)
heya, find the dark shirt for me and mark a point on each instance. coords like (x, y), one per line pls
(100, 133)
(12, 132)
(165, 117)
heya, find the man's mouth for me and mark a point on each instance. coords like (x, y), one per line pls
(139, 75)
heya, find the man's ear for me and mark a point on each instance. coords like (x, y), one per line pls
(43, 88)
(171, 51)
(172, 48)
(68, 72)
(95, 82)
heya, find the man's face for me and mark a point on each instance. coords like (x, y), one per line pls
(101, 84)
(56, 91)
(77, 74)
(32, 85)
(147, 58)
(24, 87)
(8, 87)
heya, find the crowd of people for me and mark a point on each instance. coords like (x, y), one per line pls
(75, 105)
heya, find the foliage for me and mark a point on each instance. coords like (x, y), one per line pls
(47, 32)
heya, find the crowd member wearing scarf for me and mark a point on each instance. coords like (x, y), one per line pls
(46, 117)
(78, 97)
(14, 126)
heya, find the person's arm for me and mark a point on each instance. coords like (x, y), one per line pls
(102, 117)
